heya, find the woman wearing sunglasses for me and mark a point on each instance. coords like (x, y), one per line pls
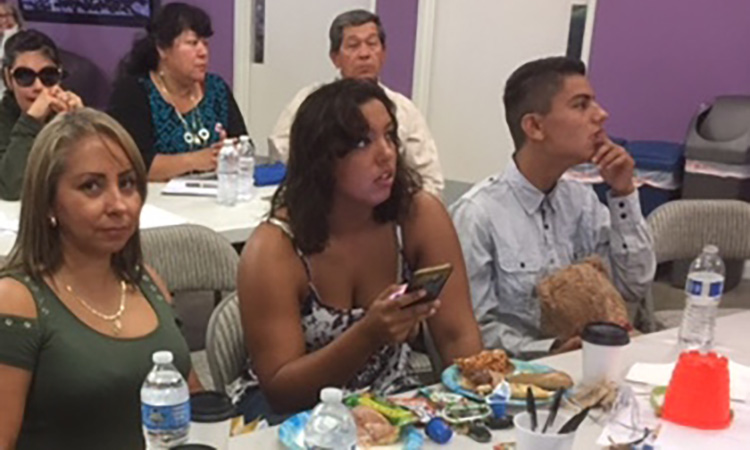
(32, 75)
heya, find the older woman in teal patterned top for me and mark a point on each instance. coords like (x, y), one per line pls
(176, 111)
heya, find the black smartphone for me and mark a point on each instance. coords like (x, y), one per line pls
(431, 279)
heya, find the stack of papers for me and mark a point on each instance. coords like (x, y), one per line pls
(660, 374)
(154, 217)
(191, 186)
(736, 437)
(8, 224)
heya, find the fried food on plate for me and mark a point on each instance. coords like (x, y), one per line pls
(550, 381)
(494, 360)
(485, 370)
(518, 390)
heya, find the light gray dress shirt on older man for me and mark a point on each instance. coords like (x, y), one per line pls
(512, 235)
(417, 145)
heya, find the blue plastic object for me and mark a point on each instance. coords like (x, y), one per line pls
(438, 430)
(659, 156)
(413, 438)
(269, 174)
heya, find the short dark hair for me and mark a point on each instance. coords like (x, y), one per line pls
(30, 41)
(14, 11)
(329, 124)
(531, 87)
(165, 26)
(353, 18)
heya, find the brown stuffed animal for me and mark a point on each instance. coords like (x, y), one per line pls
(576, 295)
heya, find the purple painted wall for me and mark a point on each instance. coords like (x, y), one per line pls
(399, 18)
(654, 62)
(106, 45)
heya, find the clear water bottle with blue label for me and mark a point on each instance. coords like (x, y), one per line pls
(165, 404)
(246, 189)
(703, 289)
(227, 169)
(331, 425)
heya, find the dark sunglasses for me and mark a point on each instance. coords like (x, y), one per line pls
(49, 76)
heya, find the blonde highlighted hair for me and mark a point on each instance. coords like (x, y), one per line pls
(37, 251)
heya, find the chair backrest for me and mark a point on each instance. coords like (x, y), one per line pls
(191, 258)
(225, 346)
(682, 228)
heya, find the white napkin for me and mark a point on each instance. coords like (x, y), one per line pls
(736, 437)
(660, 374)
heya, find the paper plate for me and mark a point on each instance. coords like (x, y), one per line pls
(451, 379)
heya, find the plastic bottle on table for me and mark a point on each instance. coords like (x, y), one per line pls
(165, 404)
(703, 289)
(246, 189)
(331, 425)
(227, 169)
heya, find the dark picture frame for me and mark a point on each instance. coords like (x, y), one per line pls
(126, 13)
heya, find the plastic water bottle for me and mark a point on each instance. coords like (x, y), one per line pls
(703, 289)
(331, 425)
(227, 169)
(246, 188)
(165, 404)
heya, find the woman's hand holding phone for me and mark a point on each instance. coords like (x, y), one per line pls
(391, 319)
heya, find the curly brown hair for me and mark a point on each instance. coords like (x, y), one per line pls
(329, 124)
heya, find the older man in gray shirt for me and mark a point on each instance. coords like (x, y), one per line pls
(517, 227)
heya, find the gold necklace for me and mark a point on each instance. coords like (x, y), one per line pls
(114, 318)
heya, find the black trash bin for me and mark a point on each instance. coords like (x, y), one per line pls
(717, 153)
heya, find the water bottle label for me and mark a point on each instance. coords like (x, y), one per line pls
(699, 288)
(168, 417)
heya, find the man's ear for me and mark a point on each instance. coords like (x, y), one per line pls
(531, 124)
(335, 59)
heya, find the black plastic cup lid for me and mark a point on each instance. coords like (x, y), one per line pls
(210, 406)
(193, 447)
(605, 333)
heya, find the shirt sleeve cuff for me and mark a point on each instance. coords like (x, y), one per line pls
(626, 210)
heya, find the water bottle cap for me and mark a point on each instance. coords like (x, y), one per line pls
(711, 249)
(228, 142)
(331, 395)
(244, 138)
(162, 357)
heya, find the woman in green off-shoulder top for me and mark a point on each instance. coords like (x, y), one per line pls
(80, 315)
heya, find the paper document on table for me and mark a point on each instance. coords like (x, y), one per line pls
(660, 374)
(191, 186)
(8, 224)
(155, 217)
(736, 437)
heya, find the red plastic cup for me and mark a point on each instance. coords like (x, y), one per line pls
(698, 394)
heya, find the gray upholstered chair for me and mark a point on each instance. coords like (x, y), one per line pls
(191, 258)
(682, 228)
(225, 346)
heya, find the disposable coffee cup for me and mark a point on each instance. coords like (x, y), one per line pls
(536, 440)
(604, 345)
(210, 419)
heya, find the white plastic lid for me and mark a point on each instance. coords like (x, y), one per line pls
(331, 395)
(228, 142)
(162, 357)
(244, 138)
(711, 249)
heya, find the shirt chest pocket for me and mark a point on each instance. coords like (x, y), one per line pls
(518, 274)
